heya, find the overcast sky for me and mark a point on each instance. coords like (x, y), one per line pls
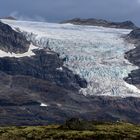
(58, 10)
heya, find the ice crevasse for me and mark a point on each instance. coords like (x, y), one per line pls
(95, 53)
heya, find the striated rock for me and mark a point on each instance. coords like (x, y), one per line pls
(12, 41)
(100, 22)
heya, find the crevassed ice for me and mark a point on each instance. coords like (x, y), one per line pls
(95, 53)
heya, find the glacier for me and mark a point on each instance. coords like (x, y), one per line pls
(95, 53)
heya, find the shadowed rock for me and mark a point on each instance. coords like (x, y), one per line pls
(134, 57)
(12, 41)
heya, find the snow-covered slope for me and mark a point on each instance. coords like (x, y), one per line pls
(95, 53)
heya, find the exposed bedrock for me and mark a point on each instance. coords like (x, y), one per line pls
(21, 96)
(134, 57)
(12, 41)
(44, 65)
(135, 34)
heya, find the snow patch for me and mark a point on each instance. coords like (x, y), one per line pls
(59, 105)
(44, 105)
(132, 88)
(59, 69)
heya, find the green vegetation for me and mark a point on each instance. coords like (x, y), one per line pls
(73, 129)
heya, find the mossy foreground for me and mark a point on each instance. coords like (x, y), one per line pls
(84, 131)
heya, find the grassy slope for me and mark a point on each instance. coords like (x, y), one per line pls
(104, 131)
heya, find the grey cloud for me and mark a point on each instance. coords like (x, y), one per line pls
(57, 10)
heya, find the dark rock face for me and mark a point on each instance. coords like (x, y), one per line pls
(134, 57)
(104, 23)
(21, 96)
(12, 41)
(44, 65)
(135, 34)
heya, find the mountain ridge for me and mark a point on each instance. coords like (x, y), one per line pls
(101, 22)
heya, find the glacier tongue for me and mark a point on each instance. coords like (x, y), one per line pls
(95, 53)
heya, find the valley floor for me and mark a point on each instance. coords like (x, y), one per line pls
(97, 131)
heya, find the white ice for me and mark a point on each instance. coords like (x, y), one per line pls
(95, 53)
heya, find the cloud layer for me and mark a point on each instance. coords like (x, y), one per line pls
(57, 10)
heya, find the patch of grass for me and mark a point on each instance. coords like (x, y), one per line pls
(73, 130)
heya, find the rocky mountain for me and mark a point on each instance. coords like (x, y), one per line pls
(39, 89)
(100, 22)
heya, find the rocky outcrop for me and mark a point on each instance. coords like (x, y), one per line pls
(134, 57)
(100, 22)
(44, 65)
(134, 35)
(12, 41)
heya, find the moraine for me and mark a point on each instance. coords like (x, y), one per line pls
(95, 53)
